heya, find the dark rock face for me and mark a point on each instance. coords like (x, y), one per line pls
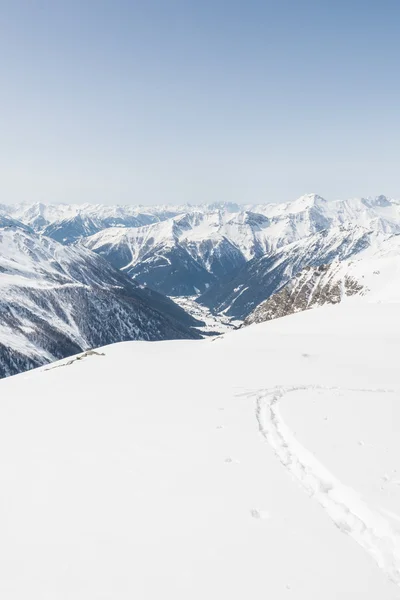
(218, 259)
(68, 231)
(173, 272)
(82, 318)
(310, 288)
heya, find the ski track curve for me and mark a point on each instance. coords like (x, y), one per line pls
(349, 512)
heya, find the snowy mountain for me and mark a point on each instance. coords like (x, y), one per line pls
(258, 279)
(57, 300)
(301, 217)
(260, 464)
(313, 286)
(183, 255)
(70, 230)
(193, 250)
(311, 213)
(39, 216)
(372, 276)
(233, 257)
(190, 252)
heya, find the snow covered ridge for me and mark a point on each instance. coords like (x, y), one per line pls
(372, 275)
(239, 294)
(192, 253)
(57, 300)
(259, 464)
(184, 250)
(362, 210)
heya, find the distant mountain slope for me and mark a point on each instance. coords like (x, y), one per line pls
(39, 216)
(186, 250)
(373, 276)
(311, 213)
(301, 217)
(258, 279)
(183, 255)
(57, 300)
(194, 249)
(67, 231)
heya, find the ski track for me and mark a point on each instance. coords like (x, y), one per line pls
(349, 512)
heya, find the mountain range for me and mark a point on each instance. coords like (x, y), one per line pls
(73, 277)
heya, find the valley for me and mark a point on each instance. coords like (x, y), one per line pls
(204, 269)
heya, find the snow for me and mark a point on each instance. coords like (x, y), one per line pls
(283, 223)
(213, 324)
(190, 231)
(346, 508)
(376, 268)
(261, 463)
(222, 239)
(249, 465)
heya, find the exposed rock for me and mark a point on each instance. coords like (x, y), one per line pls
(313, 286)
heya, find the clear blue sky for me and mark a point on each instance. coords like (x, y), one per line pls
(198, 100)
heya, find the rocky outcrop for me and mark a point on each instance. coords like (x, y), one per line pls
(313, 286)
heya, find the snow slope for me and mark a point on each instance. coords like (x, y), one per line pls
(259, 464)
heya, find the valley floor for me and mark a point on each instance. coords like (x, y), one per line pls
(214, 323)
(262, 463)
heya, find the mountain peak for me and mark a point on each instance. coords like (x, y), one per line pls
(309, 199)
(380, 200)
(6, 221)
(304, 203)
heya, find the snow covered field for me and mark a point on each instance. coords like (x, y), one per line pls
(259, 464)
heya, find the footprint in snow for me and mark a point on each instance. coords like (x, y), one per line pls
(259, 514)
